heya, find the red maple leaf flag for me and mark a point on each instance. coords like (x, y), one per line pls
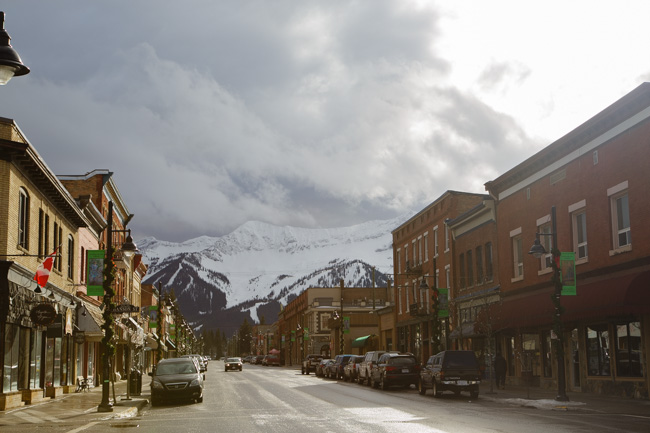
(43, 271)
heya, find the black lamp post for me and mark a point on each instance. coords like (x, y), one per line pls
(108, 349)
(539, 251)
(10, 63)
(435, 320)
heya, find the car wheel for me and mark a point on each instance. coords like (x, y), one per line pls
(199, 400)
(302, 370)
(421, 389)
(474, 394)
(240, 368)
(436, 392)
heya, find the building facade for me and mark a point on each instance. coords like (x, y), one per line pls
(587, 190)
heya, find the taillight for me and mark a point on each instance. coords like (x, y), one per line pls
(390, 368)
(442, 375)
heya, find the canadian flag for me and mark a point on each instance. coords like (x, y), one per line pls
(43, 271)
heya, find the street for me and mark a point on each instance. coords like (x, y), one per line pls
(272, 399)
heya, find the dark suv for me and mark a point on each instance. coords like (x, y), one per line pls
(310, 362)
(451, 370)
(395, 369)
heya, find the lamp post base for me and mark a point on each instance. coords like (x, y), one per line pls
(108, 407)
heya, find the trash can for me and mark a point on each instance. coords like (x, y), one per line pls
(135, 382)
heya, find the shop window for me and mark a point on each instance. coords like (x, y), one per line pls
(16, 358)
(628, 350)
(530, 354)
(598, 353)
(35, 360)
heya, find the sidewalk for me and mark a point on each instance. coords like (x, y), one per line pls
(77, 405)
(537, 398)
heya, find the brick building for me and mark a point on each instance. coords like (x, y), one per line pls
(596, 178)
(422, 250)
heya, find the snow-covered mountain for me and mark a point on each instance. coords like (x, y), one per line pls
(250, 272)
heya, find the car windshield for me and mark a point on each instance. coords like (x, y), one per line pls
(461, 360)
(402, 361)
(175, 368)
(232, 360)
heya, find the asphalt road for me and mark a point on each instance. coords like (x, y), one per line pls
(272, 399)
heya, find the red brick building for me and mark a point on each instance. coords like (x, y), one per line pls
(597, 179)
(417, 244)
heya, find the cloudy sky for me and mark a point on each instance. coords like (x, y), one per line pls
(309, 113)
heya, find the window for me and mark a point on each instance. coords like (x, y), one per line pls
(46, 235)
(58, 243)
(580, 234)
(415, 253)
(517, 255)
(461, 262)
(598, 351)
(420, 251)
(547, 359)
(70, 257)
(620, 210)
(426, 247)
(399, 261)
(406, 256)
(435, 241)
(628, 350)
(479, 265)
(399, 298)
(489, 265)
(622, 220)
(470, 269)
(546, 239)
(446, 238)
(23, 219)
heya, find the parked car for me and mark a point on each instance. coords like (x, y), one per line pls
(310, 362)
(176, 379)
(247, 359)
(451, 370)
(233, 364)
(203, 366)
(269, 360)
(257, 359)
(329, 370)
(393, 369)
(351, 369)
(369, 360)
(320, 368)
(339, 364)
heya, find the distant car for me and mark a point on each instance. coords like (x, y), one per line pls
(176, 379)
(320, 368)
(270, 360)
(339, 365)
(310, 362)
(395, 369)
(351, 369)
(248, 359)
(203, 365)
(233, 364)
(451, 370)
(258, 359)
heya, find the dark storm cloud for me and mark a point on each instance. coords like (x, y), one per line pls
(211, 114)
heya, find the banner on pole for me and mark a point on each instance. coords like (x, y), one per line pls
(568, 273)
(95, 272)
(443, 303)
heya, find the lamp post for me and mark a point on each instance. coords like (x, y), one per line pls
(435, 320)
(10, 63)
(108, 349)
(539, 251)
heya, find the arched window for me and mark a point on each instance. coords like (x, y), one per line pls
(23, 219)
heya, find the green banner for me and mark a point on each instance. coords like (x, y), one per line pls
(95, 272)
(568, 273)
(153, 316)
(346, 324)
(443, 303)
(293, 335)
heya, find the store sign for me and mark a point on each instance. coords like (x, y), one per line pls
(43, 314)
(125, 308)
(79, 337)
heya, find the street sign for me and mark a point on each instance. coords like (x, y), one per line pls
(125, 308)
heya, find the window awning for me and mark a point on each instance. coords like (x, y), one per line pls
(361, 341)
(622, 295)
(90, 323)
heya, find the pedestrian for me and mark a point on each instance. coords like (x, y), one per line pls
(500, 367)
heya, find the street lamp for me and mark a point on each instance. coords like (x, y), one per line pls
(538, 251)
(10, 63)
(108, 350)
